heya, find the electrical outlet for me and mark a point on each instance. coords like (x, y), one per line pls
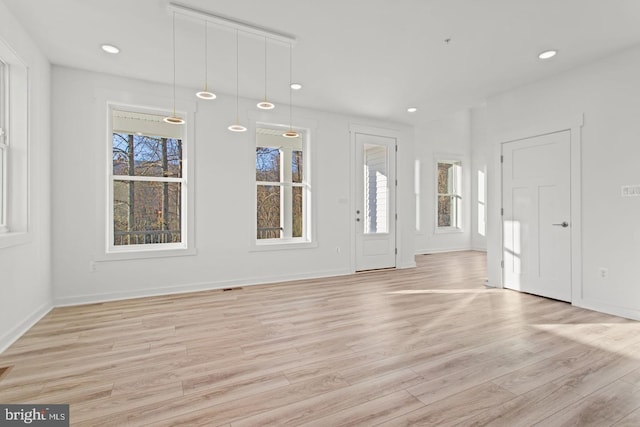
(92, 266)
(604, 272)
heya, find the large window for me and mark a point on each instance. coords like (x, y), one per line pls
(449, 197)
(282, 187)
(14, 148)
(3, 146)
(147, 182)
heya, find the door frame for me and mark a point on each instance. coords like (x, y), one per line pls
(374, 131)
(573, 125)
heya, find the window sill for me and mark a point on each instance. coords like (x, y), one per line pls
(11, 239)
(448, 230)
(146, 254)
(279, 246)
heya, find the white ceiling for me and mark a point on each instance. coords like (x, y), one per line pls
(371, 58)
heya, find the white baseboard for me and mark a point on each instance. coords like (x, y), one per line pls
(608, 309)
(411, 264)
(442, 250)
(12, 336)
(190, 287)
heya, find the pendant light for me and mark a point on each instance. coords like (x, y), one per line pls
(174, 120)
(206, 94)
(265, 105)
(290, 133)
(237, 127)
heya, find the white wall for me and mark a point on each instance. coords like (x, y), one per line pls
(607, 93)
(223, 199)
(446, 139)
(25, 265)
(478, 163)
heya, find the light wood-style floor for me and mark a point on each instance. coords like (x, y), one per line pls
(426, 346)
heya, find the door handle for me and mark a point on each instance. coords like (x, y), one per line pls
(563, 224)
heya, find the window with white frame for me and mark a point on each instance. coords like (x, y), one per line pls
(147, 194)
(482, 204)
(14, 148)
(449, 195)
(416, 190)
(4, 147)
(282, 187)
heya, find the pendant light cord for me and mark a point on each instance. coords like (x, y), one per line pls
(290, 89)
(237, 78)
(174, 63)
(174, 120)
(206, 54)
(237, 127)
(265, 68)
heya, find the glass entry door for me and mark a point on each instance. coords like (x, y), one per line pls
(375, 205)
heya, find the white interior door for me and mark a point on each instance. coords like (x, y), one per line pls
(536, 179)
(375, 202)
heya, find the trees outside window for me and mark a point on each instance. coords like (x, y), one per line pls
(282, 188)
(449, 194)
(147, 181)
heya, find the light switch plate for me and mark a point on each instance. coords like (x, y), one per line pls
(630, 190)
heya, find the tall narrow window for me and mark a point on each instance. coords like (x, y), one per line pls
(147, 197)
(282, 187)
(449, 203)
(482, 205)
(416, 190)
(14, 148)
(4, 146)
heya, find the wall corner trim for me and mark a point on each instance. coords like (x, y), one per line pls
(14, 334)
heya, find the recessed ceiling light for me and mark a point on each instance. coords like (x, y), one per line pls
(547, 54)
(109, 48)
(296, 86)
(412, 109)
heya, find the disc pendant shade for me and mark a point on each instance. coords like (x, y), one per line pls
(206, 94)
(241, 28)
(265, 105)
(174, 120)
(237, 127)
(290, 133)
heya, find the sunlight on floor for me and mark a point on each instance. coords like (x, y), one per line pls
(443, 291)
(613, 337)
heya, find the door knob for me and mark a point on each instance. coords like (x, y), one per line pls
(563, 224)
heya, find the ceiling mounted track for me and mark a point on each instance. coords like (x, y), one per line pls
(232, 23)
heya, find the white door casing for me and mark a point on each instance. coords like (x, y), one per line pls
(375, 206)
(536, 188)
